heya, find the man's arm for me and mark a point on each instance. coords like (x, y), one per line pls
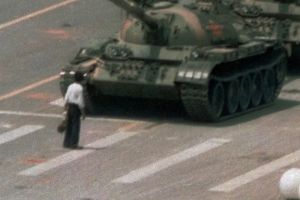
(66, 99)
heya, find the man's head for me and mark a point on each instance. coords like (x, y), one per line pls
(78, 77)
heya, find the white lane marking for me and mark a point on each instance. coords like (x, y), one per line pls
(30, 114)
(58, 102)
(28, 87)
(60, 116)
(19, 132)
(112, 139)
(258, 173)
(153, 168)
(76, 154)
(36, 13)
(5, 125)
(56, 162)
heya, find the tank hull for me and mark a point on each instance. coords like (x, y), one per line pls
(218, 84)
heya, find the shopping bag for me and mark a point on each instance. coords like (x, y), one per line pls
(61, 128)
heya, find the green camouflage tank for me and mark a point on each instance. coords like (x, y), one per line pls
(274, 20)
(202, 54)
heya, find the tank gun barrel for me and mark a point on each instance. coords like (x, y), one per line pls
(294, 17)
(137, 12)
(279, 9)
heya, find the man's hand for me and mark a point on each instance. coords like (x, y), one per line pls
(66, 107)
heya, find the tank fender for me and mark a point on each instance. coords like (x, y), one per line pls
(197, 72)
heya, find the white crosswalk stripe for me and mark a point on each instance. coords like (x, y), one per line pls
(19, 132)
(76, 154)
(58, 102)
(258, 173)
(153, 168)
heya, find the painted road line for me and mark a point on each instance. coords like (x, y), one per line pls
(36, 13)
(60, 116)
(17, 133)
(162, 164)
(258, 173)
(6, 125)
(112, 139)
(58, 102)
(129, 127)
(30, 114)
(77, 154)
(29, 87)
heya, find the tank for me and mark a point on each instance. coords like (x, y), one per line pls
(274, 20)
(201, 54)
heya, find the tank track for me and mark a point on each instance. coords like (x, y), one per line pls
(269, 76)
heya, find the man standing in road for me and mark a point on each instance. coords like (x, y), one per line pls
(74, 104)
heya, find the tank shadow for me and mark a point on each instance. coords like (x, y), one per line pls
(140, 109)
(277, 106)
(294, 68)
(173, 112)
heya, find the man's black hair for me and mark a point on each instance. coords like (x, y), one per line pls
(78, 77)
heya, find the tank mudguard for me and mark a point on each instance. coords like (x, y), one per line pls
(196, 72)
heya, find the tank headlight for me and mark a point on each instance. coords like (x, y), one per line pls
(83, 52)
(205, 75)
(195, 54)
(114, 52)
(181, 73)
(124, 53)
(118, 52)
(197, 75)
(189, 74)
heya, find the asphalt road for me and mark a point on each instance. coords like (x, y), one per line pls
(130, 152)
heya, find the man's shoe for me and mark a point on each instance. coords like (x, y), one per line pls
(73, 147)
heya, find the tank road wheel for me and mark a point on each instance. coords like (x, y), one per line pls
(232, 96)
(269, 86)
(245, 92)
(216, 99)
(257, 93)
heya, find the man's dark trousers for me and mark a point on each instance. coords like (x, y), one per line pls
(73, 126)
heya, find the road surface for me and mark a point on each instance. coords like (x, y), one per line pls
(132, 150)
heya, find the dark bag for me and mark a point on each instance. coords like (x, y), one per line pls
(61, 128)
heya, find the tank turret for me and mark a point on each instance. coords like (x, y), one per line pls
(169, 24)
(138, 12)
(151, 27)
(202, 54)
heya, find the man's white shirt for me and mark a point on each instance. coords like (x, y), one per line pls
(74, 95)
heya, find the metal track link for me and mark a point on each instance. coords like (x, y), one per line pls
(195, 101)
(196, 98)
